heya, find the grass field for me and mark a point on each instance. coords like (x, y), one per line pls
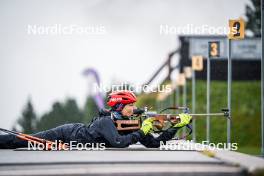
(246, 114)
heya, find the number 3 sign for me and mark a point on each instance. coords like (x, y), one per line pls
(214, 49)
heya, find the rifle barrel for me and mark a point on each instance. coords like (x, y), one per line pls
(210, 114)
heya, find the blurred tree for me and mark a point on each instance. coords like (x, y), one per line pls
(148, 100)
(61, 113)
(28, 119)
(72, 111)
(90, 110)
(253, 22)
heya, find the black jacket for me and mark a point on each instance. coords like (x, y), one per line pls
(100, 130)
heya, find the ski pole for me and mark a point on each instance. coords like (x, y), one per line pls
(34, 139)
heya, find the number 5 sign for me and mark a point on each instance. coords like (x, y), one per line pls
(236, 29)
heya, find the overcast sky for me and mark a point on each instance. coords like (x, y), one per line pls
(129, 47)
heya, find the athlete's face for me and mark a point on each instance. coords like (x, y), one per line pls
(128, 110)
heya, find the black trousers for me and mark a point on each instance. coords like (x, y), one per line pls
(66, 133)
(82, 134)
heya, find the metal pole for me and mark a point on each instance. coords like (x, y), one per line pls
(171, 99)
(169, 104)
(177, 96)
(229, 85)
(193, 105)
(157, 105)
(184, 95)
(167, 101)
(184, 101)
(162, 104)
(208, 101)
(174, 97)
(262, 83)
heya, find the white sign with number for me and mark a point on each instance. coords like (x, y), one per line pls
(199, 46)
(181, 81)
(249, 48)
(188, 72)
(197, 63)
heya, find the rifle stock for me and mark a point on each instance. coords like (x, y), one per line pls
(128, 125)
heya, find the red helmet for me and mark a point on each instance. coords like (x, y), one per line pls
(124, 97)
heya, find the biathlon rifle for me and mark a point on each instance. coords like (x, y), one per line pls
(161, 119)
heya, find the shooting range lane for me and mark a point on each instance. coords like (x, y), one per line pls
(48, 157)
(113, 162)
(122, 169)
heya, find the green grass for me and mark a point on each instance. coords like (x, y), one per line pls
(246, 112)
(250, 150)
